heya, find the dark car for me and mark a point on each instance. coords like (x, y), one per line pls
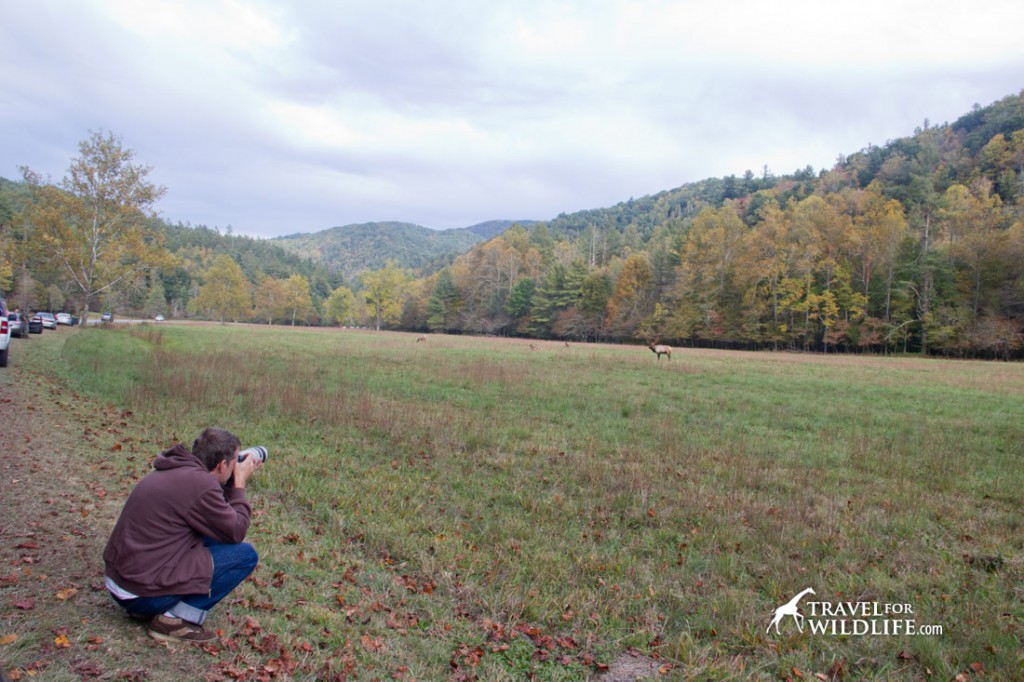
(19, 325)
(35, 324)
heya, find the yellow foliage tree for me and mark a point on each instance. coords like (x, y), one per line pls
(94, 222)
(384, 291)
(225, 293)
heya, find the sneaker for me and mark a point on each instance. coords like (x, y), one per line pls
(177, 630)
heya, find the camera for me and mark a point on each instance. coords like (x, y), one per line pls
(257, 451)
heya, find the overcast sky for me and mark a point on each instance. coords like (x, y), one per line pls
(282, 117)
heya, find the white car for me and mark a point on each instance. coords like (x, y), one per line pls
(49, 321)
(5, 333)
(63, 318)
(159, 318)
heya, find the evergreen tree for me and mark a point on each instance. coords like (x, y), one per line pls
(443, 308)
(520, 304)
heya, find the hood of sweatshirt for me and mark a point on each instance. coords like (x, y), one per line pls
(177, 457)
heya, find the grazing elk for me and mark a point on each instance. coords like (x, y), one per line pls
(421, 338)
(661, 350)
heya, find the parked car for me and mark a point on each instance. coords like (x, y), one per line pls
(64, 318)
(35, 324)
(107, 317)
(5, 333)
(49, 321)
(19, 325)
(159, 318)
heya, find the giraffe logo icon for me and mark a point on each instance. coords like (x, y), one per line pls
(790, 608)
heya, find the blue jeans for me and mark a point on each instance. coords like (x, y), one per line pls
(231, 565)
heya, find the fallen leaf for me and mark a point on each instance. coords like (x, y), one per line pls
(66, 593)
(371, 644)
(25, 604)
(8, 639)
(62, 641)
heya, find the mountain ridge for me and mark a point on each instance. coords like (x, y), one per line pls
(350, 249)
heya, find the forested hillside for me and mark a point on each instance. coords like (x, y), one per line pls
(916, 245)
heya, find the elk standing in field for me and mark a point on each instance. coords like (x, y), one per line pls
(661, 350)
(421, 338)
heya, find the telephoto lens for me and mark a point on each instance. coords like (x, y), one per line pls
(257, 451)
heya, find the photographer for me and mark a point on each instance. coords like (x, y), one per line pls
(176, 550)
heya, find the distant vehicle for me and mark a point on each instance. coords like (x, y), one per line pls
(49, 321)
(19, 325)
(64, 318)
(35, 324)
(159, 318)
(5, 333)
(107, 317)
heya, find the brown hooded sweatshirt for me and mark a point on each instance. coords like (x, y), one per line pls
(157, 547)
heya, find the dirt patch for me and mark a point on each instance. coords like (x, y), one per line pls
(633, 667)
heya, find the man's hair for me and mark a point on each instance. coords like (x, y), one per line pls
(215, 445)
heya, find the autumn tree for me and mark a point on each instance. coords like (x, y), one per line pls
(632, 298)
(270, 299)
(340, 306)
(706, 268)
(762, 273)
(94, 222)
(384, 291)
(9, 256)
(882, 227)
(225, 293)
(298, 302)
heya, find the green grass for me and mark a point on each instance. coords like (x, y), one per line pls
(470, 506)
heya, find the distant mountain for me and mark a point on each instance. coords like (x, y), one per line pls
(350, 249)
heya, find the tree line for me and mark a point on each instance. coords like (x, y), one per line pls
(916, 246)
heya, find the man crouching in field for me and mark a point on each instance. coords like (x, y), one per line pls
(177, 548)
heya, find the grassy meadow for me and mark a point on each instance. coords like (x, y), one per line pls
(472, 508)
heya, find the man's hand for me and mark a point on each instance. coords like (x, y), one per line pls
(245, 468)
